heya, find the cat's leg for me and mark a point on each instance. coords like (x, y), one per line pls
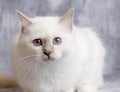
(7, 81)
(87, 88)
(92, 78)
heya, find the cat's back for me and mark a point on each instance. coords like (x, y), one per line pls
(88, 41)
(86, 33)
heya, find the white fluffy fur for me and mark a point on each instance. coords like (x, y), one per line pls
(78, 61)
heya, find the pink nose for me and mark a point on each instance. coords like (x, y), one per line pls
(47, 53)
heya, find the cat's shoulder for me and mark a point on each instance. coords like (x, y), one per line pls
(85, 32)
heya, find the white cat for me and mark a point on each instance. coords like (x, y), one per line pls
(50, 54)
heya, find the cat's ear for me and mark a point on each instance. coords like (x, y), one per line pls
(24, 19)
(67, 18)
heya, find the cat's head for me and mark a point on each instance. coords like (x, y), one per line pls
(49, 38)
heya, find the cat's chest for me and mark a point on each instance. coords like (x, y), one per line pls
(56, 73)
(53, 76)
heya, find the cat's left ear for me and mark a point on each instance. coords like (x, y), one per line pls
(24, 19)
(67, 18)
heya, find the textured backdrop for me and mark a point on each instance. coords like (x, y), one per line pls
(102, 15)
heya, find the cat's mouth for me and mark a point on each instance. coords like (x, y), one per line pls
(48, 58)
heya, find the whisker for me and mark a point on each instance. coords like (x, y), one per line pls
(28, 64)
(23, 58)
(29, 69)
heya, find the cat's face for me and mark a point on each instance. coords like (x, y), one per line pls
(46, 37)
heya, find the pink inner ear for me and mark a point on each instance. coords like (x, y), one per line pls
(67, 23)
(24, 31)
(24, 19)
(67, 19)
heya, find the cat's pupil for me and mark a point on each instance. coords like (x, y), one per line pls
(57, 41)
(37, 42)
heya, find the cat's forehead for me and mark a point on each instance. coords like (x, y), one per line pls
(45, 26)
(47, 21)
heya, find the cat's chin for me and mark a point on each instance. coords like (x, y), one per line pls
(51, 59)
(48, 59)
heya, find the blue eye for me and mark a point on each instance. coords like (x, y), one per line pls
(37, 42)
(57, 41)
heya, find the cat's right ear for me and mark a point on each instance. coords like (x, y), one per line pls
(24, 19)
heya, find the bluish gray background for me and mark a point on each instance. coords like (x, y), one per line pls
(102, 15)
